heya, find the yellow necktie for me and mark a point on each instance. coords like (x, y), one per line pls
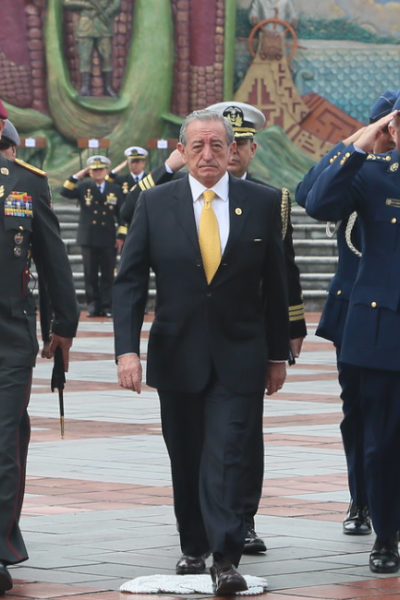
(210, 244)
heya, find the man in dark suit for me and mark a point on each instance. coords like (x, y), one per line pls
(29, 230)
(246, 120)
(100, 202)
(359, 180)
(219, 338)
(333, 318)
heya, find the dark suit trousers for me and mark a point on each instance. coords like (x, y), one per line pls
(15, 389)
(208, 436)
(352, 428)
(380, 404)
(98, 290)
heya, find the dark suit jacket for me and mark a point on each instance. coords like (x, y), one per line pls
(236, 323)
(99, 212)
(32, 232)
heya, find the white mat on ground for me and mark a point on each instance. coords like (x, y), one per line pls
(185, 584)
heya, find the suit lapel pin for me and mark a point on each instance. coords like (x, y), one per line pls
(238, 211)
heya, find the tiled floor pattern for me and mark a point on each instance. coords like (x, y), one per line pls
(98, 508)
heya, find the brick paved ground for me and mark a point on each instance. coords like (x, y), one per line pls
(98, 507)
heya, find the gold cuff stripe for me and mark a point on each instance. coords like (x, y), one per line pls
(296, 307)
(123, 230)
(151, 180)
(299, 318)
(70, 185)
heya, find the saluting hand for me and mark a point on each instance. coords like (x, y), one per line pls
(372, 132)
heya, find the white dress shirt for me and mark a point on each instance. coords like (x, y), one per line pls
(220, 205)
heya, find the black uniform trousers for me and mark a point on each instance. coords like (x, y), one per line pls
(15, 389)
(352, 429)
(380, 405)
(98, 289)
(208, 436)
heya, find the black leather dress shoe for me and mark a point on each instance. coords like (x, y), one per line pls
(384, 557)
(357, 521)
(190, 565)
(6, 581)
(226, 579)
(252, 543)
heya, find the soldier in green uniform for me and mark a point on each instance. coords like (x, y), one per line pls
(29, 230)
(95, 30)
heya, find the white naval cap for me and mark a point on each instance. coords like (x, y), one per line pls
(98, 162)
(136, 153)
(245, 119)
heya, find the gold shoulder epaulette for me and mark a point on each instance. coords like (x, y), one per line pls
(285, 211)
(26, 165)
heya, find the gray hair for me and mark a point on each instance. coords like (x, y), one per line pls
(206, 115)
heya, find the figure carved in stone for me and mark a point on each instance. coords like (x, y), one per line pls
(260, 10)
(95, 31)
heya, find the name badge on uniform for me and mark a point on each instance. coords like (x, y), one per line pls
(18, 204)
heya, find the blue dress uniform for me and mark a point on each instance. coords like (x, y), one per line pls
(370, 185)
(99, 215)
(29, 230)
(331, 327)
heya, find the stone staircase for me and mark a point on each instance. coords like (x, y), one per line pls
(316, 254)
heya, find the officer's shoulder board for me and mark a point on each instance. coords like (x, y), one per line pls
(29, 167)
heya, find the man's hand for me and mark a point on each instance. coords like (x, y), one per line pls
(119, 167)
(175, 161)
(130, 372)
(352, 139)
(276, 375)
(62, 342)
(296, 345)
(82, 173)
(45, 350)
(371, 133)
